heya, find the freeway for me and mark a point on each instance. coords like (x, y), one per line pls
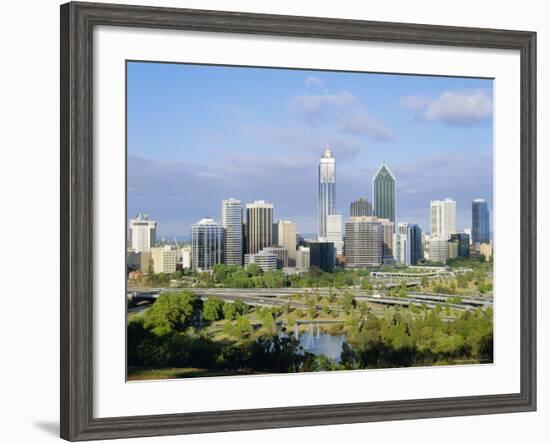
(279, 297)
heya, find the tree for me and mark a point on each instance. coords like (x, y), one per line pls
(348, 301)
(241, 308)
(212, 309)
(171, 312)
(229, 311)
(242, 328)
(254, 270)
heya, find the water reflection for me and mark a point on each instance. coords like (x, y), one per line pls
(320, 343)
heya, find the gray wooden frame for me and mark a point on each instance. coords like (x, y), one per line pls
(77, 24)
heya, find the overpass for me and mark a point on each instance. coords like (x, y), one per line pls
(278, 297)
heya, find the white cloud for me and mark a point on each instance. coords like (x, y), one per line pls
(415, 102)
(362, 124)
(343, 109)
(452, 107)
(314, 82)
(314, 103)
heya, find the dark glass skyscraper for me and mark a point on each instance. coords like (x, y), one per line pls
(322, 255)
(414, 246)
(480, 221)
(463, 240)
(383, 193)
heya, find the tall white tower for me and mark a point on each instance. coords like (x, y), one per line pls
(232, 223)
(443, 218)
(327, 191)
(143, 233)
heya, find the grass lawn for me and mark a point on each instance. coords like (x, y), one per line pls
(138, 373)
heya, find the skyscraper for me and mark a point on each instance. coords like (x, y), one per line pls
(414, 250)
(232, 222)
(480, 221)
(443, 218)
(206, 244)
(334, 232)
(411, 248)
(388, 229)
(143, 233)
(463, 240)
(383, 193)
(259, 226)
(321, 254)
(286, 237)
(400, 247)
(364, 243)
(327, 191)
(360, 207)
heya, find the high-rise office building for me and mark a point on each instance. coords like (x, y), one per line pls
(383, 193)
(232, 223)
(360, 207)
(143, 232)
(334, 233)
(206, 244)
(364, 243)
(302, 258)
(414, 244)
(388, 229)
(321, 254)
(327, 191)
(443, 218)
(480, 221)
(259, 226)
(286, 237)
(400, 247)
(463, 240)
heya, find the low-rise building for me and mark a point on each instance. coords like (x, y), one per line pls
(486, 249)
(267, 261)
(164, 259)
(281, 253)
(302, 258)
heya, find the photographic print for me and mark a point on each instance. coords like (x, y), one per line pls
(293, 220)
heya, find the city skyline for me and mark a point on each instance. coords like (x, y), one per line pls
(404, 127)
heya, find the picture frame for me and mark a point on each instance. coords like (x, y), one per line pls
(78, 21)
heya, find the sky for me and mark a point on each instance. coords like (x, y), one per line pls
(199, 134)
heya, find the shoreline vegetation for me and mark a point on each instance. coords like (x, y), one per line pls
(181, 335)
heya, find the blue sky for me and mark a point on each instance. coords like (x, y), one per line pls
(198, 134)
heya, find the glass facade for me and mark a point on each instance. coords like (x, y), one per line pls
(414, 251)
(463, 241)
(480, 221)
(383, 193)
(321, 255)
(206, 244)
